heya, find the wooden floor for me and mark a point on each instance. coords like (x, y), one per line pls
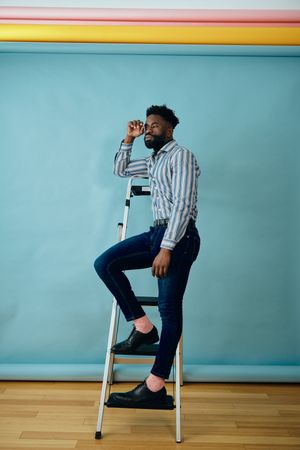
(216, 416)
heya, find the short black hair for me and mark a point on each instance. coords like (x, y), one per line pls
(165, 112)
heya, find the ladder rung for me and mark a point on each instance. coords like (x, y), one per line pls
(149, 350)
(167, 404)
(127, 360)
(140, 190)
(148, 301)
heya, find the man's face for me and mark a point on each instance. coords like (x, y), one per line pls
(157, 132)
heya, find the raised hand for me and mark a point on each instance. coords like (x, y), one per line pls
(135, 128)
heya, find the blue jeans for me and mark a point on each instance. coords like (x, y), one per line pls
(138, 252)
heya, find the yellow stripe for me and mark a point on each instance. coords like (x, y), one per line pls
(152, 34)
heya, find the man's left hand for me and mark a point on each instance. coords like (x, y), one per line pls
(161, 263)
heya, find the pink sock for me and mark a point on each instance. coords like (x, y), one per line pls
(143, 324)
(155, 383)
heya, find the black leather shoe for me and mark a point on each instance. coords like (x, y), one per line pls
(139, 397)
(135, 339)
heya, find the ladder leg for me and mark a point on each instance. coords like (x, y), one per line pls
(110, 377)
(178, 410)
(181, 360)
(111, 363)
(108, 363)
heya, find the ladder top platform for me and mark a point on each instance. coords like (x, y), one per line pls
(140, 190)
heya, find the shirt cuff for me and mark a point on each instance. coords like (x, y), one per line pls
(125, 147)
(168, 243)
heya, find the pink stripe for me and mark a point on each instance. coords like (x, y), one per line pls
(170, 24)
(142, 15)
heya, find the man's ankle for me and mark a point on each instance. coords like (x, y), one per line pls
(155, 383)
(143, 324)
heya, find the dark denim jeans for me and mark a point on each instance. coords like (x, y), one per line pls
(138, 252)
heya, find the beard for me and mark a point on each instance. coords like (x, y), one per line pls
(155, 142)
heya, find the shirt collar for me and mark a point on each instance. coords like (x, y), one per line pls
(166, 148)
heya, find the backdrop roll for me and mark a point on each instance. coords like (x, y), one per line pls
(62, 117)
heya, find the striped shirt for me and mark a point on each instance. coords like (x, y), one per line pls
(173, 179)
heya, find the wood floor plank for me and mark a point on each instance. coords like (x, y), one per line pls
(34, 401)
(271, 422)
(37, 444)
(266, 440)
(51, 409)
(57, 435)
(50, 385)
(53, 394)
(22, 396)
(226, 396)
(272, 447)
(30, 446)
(289, 413)
(230, 413)
(5, 412)
(6, 436)
(47, 427)
(247, 432)
(45, 418)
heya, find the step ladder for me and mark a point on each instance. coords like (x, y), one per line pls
(148, 351)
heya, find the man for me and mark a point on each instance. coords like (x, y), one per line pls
(169, 247)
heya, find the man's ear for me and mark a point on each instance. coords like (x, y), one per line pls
(169, 132)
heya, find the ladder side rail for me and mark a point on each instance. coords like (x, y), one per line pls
(108, 359)
(126, 209)
(177, 383)
(122, 228)
(127, 205)
(108, 367)
(181, 360)
(111, 361)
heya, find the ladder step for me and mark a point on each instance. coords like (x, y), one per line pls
(149, 350)
(167, 404)
(148, 301)
(140, 190)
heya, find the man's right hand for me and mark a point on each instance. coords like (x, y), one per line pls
(135, 128)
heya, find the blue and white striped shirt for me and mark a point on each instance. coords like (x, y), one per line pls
(173, 179)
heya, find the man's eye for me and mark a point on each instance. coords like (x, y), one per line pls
(150, 127)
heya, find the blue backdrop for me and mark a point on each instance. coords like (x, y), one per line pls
(63, 114)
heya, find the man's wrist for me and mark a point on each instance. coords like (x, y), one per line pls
(165, 250)
(128, 140)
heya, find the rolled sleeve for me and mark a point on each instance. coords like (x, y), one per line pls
(125, 167)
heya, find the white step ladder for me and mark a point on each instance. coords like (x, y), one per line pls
(146, 350)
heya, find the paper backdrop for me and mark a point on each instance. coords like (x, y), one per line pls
(62, 117)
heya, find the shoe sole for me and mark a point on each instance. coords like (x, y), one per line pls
(166, 403)
(129, 351)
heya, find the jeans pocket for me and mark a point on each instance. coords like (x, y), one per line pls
(192, 245)
(197, 243)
